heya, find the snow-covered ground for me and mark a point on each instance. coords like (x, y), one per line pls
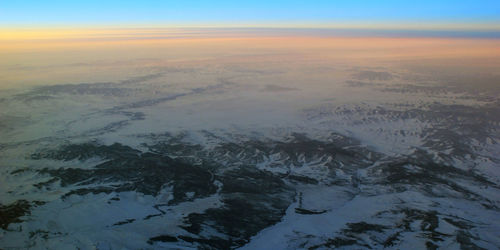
(288, 156)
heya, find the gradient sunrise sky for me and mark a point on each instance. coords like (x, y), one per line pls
(450, 14)
(34, 34)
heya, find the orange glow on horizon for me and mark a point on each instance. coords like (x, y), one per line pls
(40, 50)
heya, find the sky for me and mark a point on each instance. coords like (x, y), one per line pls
(349, 13)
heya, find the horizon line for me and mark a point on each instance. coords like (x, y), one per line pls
(161, 32)
(487, 26)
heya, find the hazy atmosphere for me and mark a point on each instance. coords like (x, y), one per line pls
(253, 125)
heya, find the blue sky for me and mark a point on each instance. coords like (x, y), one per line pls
(245, 12)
